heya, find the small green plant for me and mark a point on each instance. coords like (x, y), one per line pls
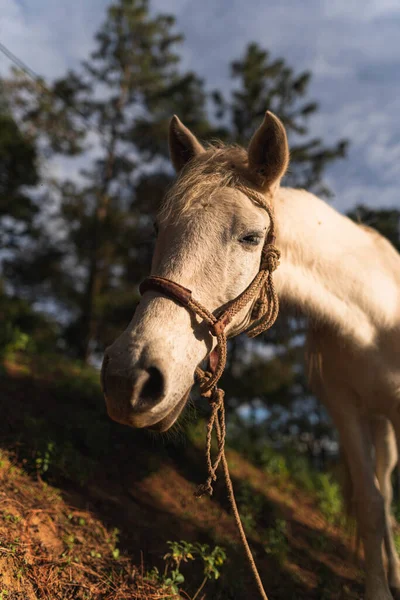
(212, 561)
(44, 458)
(113, 542)
(10, 517)
(183, 552)
(69, 541)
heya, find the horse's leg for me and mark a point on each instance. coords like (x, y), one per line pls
(355, 436)
(385, 461)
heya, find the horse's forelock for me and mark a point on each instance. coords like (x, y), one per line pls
(216, 169)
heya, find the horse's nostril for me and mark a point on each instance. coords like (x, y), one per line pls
(153, 387)
(125, 391)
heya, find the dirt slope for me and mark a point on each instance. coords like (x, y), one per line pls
(85, 502)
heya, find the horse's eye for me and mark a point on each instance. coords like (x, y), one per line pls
(251, 239)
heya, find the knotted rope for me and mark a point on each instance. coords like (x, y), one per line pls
(264, 312)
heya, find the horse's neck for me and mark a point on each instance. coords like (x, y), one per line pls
(332, 269)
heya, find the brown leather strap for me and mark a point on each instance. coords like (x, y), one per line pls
(167, 287)
(219, 326)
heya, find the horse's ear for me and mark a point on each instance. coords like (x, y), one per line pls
(183, 145)
(268, 152)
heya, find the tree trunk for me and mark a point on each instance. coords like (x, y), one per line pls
(93, 287)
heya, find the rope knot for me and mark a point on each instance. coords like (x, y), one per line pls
(216, 399)
(270, 258)
(204, 489)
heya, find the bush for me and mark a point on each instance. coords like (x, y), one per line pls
(23, 329)
(330, 498)
(12, 340)
(276, 541)
(182, 552)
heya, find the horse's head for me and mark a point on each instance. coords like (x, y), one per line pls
(210, 238)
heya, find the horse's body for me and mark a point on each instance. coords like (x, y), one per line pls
(344, 277)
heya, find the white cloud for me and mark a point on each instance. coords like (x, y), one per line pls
(49, 36)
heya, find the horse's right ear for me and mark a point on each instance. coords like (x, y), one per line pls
(183, 145)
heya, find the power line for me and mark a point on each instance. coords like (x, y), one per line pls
(39, 81)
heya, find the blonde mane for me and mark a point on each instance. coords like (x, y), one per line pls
(221, 166)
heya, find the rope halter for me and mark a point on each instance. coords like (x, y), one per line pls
(261, 292)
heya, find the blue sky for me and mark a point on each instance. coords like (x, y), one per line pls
(351, 46)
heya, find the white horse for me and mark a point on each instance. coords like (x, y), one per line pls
(344, 277)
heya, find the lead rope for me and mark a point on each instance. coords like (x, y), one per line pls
(217, 420)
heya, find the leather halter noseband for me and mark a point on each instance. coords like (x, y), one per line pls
(261, 289)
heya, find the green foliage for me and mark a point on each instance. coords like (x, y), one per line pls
(276, 543)
(255, 512)
(212, 560)
(17, 170)
(183, 552)
(273, 462)
(251, 505)
(12, 340)
(23, 329)
(51, 456)
(329, 498)
(288, 467)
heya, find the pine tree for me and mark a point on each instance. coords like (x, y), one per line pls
(18, 170)
(267, 84)
(19, 324)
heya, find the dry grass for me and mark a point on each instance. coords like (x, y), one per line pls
(50, 550)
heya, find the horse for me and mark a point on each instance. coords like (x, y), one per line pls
(343, 277)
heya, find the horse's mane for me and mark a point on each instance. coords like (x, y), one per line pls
(219, 167)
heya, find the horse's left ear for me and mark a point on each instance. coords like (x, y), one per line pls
(183, 145)
(268, 152)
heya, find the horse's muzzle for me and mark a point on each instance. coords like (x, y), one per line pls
(133, 396)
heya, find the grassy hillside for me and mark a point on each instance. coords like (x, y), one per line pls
(87, 506)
